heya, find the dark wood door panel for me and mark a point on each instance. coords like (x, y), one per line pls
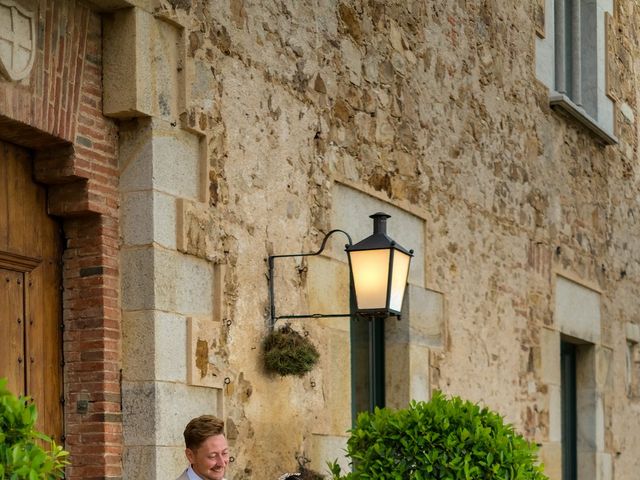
(12, 331)
(30, 294)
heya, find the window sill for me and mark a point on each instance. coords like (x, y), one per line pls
(562, 102)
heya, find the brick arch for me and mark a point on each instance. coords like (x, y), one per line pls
(57, 113)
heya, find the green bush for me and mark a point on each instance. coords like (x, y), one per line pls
(21, 453)
(441, 439)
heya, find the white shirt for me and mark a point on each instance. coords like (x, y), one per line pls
(193, 475)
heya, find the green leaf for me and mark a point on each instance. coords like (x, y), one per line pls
(21, 454)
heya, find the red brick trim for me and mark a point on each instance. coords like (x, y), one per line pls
(57, 112)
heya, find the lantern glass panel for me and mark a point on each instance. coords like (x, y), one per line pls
(399, 279)
(370, 277)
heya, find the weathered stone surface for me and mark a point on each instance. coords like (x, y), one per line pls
(312, 116)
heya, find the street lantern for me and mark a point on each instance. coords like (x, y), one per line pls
(379, 269)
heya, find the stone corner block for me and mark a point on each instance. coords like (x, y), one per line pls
(179, 163)
(127, 66)
(138, 278)
(183, 284)
(137, 218)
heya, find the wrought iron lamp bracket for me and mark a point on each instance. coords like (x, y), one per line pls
(273, 318)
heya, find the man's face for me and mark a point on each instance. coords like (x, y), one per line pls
(211, 458)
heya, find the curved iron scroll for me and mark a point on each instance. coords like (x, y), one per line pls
(273, 317)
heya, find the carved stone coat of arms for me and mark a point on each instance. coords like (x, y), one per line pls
(17, 40)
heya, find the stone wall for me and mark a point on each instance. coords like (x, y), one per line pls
(253, 117)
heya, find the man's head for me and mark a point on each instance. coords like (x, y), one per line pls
(207, 448)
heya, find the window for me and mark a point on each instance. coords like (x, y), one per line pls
(571, 61)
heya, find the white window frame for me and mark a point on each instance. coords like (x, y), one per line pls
(578, 89)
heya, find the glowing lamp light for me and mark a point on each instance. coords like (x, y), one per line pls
(379, 269)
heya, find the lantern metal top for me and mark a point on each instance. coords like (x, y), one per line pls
(379, 239)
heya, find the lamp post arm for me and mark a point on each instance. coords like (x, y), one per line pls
(271, 279)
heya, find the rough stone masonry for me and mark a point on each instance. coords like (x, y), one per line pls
(430, 107)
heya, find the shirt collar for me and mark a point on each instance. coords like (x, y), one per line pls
(192, 475)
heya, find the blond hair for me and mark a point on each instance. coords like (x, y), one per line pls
(201, 428)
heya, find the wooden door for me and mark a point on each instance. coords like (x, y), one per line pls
(30, 290)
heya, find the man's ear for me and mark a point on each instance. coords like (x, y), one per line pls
(190, 455)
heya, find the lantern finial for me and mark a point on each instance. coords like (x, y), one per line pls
(380, 222)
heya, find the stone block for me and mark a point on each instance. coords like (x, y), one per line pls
(350, 212)
(406, 374)
(586, 465)
(604, 465)
(555, 413)
(138, 278)
(166, 73)
(599, 429)
(136, 155)
(550, 455)
(203, 86)
(422, 321)
(604, 370)
(587, 419)
(111, 5)
(128, 90)
(183, 283)
(352, 58)
(177, 161)
(172, 460)
(419, 385)
(321, 449)
(408, 342)
(171, 347)
(154, 278)
(139, 463)
(164, 220)
(328, 288)
(204, 365)
(193, 226)
(144, 463)
(139, 419)
(137, 218)
(173, 412)
(550, 356)
(632, 331)
(577, 310)
(138, 346)
(397, 381)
